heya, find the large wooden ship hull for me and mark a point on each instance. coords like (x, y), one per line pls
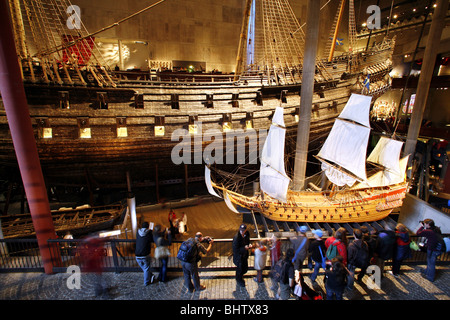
(142, 105)
(93, 124)
(316, 206)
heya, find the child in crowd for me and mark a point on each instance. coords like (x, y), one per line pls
(260, 260)
(336, 279)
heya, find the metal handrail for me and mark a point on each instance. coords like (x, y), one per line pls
(22, 255)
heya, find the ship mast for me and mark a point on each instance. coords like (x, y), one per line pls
(19, 29)
(243, 40)
(337, 23)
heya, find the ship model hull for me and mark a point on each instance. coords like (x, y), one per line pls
(346, 206)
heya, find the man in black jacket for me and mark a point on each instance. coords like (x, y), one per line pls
(144, 239)
(385, 247)
(241, 244)
(357, 257)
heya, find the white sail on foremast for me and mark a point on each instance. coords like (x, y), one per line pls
(385, 178)
(387, 153)
(273, 178)
(343, 154)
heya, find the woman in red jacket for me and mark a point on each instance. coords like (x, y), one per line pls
(340, 241)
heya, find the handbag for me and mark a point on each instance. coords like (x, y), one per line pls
(298, 290)
(162, 252)
(413, 245)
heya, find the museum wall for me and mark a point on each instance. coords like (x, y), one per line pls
(190, 30)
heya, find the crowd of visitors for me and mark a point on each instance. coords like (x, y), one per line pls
(342, 261)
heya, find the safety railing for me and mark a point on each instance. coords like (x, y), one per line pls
(117, 255)
(20, 255)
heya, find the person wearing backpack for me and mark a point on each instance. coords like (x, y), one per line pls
(241, 245)
(287, 276)
(358, 257)
(337, 245)
(317, 250)
(189, 255)
(370, 237)
(435, 246)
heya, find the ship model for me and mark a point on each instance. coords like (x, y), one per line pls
(93, 124)
(353, 196)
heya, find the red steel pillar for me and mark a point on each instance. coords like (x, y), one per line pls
(17, 112)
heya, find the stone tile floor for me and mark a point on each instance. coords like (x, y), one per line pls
(410, 285)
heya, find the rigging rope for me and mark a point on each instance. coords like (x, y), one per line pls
(63, 46)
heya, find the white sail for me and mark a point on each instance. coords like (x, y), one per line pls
(387, 153)
(208, 182)
(273, 178)
(357, 109)
(385, 178)
(398, 177)
(337, 177)
(229, 203)
(345, 147)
